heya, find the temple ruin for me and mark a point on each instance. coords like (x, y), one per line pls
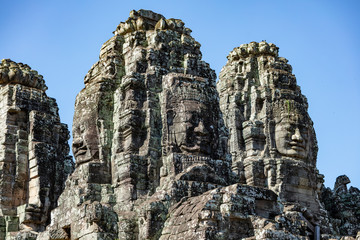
(163, 151)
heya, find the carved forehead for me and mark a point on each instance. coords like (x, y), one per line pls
(290, 111)
(297, 119)
(192, 100)
(189, 113)
(190, 92)
(291, 124)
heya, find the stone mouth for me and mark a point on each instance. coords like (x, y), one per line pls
(297, 146)
(80, 152)
(190, 149)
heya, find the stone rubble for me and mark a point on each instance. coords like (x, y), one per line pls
(343, 206)
(163, 152)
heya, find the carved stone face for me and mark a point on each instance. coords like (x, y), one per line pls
(83, 144)
(85, 137)
(292, 138)
(190, 122)
(191, 131)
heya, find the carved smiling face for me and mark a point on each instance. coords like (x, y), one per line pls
(190, 122)
(85, 134)
(292, 137)
(191, 129)
(85, 143)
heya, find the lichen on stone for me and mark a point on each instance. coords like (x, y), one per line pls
(162, 151)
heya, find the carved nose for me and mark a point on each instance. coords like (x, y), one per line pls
(297, 136)
(78, 142)
(200, 129)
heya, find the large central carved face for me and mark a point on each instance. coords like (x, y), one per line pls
(292, 137)
(191, 123)
(192, 129)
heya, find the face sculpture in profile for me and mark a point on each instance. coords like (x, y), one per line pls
(85, 130)
(85, 143)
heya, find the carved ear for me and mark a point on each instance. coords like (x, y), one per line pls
(273, 147)
(313, 146)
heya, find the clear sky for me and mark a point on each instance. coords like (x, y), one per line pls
(321, 39)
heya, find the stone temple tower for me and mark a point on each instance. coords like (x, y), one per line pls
(272, 139)
(161, 154)
(34, 160)
(147, 132)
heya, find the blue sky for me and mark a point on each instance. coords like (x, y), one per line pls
(321, 40)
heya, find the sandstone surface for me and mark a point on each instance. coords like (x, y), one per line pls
(34, 153)
(157, 159)
(162, 151)
(272, 139)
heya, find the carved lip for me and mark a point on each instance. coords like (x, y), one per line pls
(297, 146)
(190, 149)
(80, 152)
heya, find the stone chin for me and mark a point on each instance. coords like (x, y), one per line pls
(82, 157)
(81, 151)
